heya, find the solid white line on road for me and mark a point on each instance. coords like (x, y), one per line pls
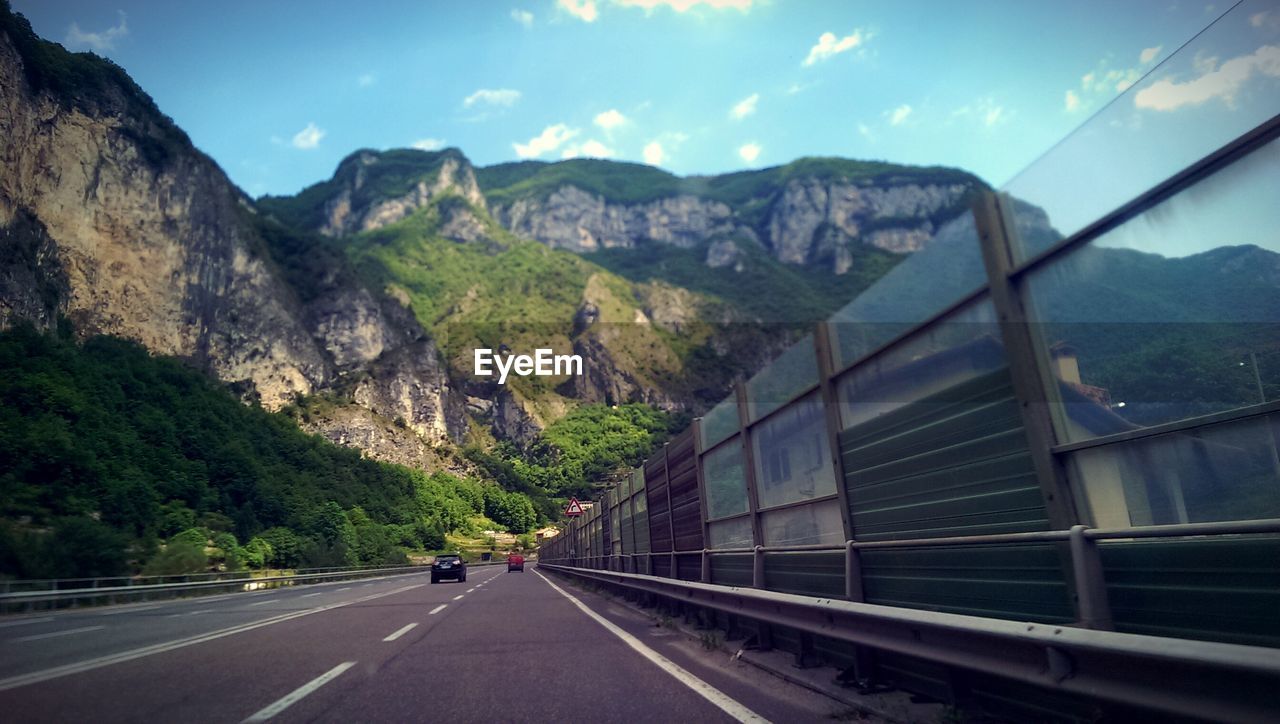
(68, 632)
(79, 667)
(438, 609)
(400, 632)
(297, 694)
(44, 619)
(459, 596)
(702, 688)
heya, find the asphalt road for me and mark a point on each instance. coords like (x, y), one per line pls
(501, 647)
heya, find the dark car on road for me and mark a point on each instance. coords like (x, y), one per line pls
(449, 565)
(515, 562)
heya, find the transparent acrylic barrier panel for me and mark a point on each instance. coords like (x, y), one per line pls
(791, 454)
(804, 525)
(735, 533)
(1229, 471)
(785, 377)
(960, 347)
(725, 481)
(946, 267)
(720, 422)
(1172, 315)
(1223, 83)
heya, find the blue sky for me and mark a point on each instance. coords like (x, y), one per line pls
(278, 93)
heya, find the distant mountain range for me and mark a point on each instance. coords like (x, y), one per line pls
(362, 295)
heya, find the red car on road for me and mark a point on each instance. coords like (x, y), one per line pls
(515, 562)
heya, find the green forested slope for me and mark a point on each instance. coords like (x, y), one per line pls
(106, 452)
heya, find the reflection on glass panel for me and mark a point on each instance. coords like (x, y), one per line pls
(1221, 85)
(641, 502)
(963, 346)
(1221, 472)
(792, 458)
(637, 480)
(726, 484)
(734, 533)
(784, 378)
(1175, 313)
(720, 422)
(946, 267)
(803, 525)
(616, 532)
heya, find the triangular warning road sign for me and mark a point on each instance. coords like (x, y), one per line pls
(573, 509)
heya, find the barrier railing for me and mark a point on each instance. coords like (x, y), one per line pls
(1081, 545)
(1186, 678)
(117, 594)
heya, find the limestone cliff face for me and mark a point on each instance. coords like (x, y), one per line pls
(573, 219)
(115, 221)
(154, 253)
(894, 218)
(347, 213)
(809, 220)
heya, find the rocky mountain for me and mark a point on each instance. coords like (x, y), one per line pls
(356, 303)
(812, 211)
(111, 218)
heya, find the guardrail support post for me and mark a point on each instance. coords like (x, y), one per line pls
(852, 572)
(757, 568)
(706, 566)
(1091, 587)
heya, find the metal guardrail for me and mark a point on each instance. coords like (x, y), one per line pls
(1086, 563)
(107, 582)
(118, 594)
(1214, 681)
(115, 594)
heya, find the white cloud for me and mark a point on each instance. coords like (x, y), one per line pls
(105, 40)
(428, 144)
(865, 132)
(308, 137)
(1149, 54)
(584, 10)
(493, 97)
(653, 153)
(683, 6)
(993, 115)
(591, 148)
(366, 80)
(1223, 82)
(899, 115)
(1072, 102)
(828, 45)
(610, 119)
(524, 17)
(744, 107)
(749, 152)
(551, 138)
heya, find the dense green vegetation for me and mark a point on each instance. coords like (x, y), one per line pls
(583, 450)
(618, 181)
(112, 460)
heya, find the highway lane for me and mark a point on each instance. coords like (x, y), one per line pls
(44, 640)
(511, 648)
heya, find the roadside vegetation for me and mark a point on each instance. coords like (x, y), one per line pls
(113, 461)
